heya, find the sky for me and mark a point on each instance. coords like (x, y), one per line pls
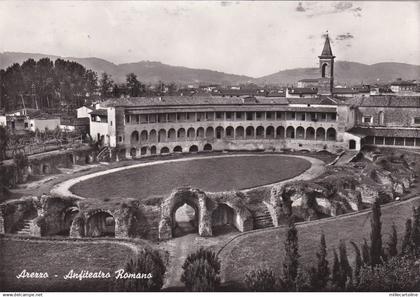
(254, 38)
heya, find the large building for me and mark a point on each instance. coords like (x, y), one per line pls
(148, 126)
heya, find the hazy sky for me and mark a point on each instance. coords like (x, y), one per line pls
(241, 37)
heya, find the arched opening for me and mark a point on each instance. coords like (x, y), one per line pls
(320, 134)
(181, 134)
(324, 69)
(290, 132)
(239, 132)
(143, 150)
(153, 136)
(352, 144)
(71, 160)
(249, 132)
(185, 221)
(269, 132)
(210, 133)
(200, 133)
(68, 217)
(207, 147)
(222, 220)
(178, 149)
(153, 150)
(230, 132)
(331, 134)
(260, 132)
(171, 135)
(300, 132)
(164, 150)
(100, 224)
(133, 152)
(46, 169)
(310, 133)
(134, 137)
(191, 134)
(219, 132)
(381, 118)
(162, 135)
(193, 149)
(280, 132)
(143, 136)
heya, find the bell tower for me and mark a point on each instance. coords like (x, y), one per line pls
(326, 67)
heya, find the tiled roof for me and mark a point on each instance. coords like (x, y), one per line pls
(100, 112)
(386, 132)
(191, 100)
(345, 91)
(386, 101)
(309, 80)
(322, 100)
(402, 83)
(303, 90)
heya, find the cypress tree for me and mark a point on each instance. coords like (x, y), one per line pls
(345, 268)
(357, 262)
(322, 270)
(406, 247)
(365, 253)
(375, 235)
(335, 279)
(415, 231)
(291, 258)
(392, 242)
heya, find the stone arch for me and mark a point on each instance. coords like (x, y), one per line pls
(310, 133)
(180, 134)
(133, 152)
(200, 133)
(192, 197)
(280, 132)
(171, 134)
(191, 133)
(331, 134)
(239, 132)
(269, 132)
(153, 136)
(165, 150)
(134, 139)
(208, 147)
(300, 132)
(178, 149)
(381, 118)
(100, 223)
(153, 150)
(185, 220)
(193, 149)
(143, 136)
(209, 133)
(46, 169)
(68, 216)
(219, 132)
(324, 69)
(230, 132)
(162, 135)
(249, 132)
(222, 218)
(290, 132)
(259, 132)
(143, 150)
(320, 134)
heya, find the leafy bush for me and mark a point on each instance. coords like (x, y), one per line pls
(201, 271)
(261, 280)
(147, 262)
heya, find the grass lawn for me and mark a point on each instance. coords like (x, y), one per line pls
(58, 258)
(216, 174)
(266, 248)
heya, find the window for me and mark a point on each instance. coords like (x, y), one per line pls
(127, 118)
(334, 116)
(26, 125)
(111, 123)
(269, 115)
(239, 115)
(249, 116)
(120, 138)
(367, 120)
(416, 121)
(228, 116)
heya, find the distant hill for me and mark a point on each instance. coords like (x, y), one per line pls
(348, 73)
(145, 70)
(345, 72)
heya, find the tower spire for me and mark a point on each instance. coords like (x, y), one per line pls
(326, 51)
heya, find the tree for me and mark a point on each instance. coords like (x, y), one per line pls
(291, 258)
(345, 268)
(135, 88)
(407, 246)
(415, 231)
(392, 242)
(376, 251)
(365, 253)
(106, 84)
(321, 274)
(4, 139)
(149, 266)
(335, 278)
(261, 280)
(201, 271)
(357, 263)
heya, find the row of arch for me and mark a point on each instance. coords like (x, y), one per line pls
(239, 133)
(165, 150)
